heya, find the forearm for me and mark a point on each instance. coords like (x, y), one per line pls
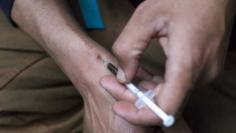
(51, 24)
(46, 21)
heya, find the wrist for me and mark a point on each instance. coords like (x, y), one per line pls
(80, 59)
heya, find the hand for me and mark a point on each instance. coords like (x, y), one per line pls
(52, 25)
(193, 35)
(85, 68)
(121, 93)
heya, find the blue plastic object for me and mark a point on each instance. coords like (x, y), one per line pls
(91, 14)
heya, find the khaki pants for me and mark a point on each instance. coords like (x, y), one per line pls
(36, 97)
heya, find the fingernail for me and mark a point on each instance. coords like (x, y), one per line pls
(158, 88)
(121, 76)
(103, 83)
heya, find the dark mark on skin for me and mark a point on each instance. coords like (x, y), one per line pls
(113, 69)
(99, 57)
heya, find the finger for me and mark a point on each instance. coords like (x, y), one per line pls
(132, 42)
(117, 90)
(147, 85)
(150, 84)
(129, 112)
(180, 127)
(121, 75)
(143, 74)
(181, 69)
(157, 79)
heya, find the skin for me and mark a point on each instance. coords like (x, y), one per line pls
(194, 37)
(51, 24)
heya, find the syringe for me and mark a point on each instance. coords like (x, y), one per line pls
(167, 120)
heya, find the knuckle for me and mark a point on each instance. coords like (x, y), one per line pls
(141, 8)
(197, 59)
(211, 71)
(193, 60)
(119, 51)
(126, 53)
(214, 71)
(142, 11)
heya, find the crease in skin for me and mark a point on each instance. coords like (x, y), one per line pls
(111, 121)
(90, 116)
(115, 125)
(94, 116)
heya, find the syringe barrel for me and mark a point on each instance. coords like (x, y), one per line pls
(167, 120)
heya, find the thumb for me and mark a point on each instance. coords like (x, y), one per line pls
(132, 42)
(182, 68)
